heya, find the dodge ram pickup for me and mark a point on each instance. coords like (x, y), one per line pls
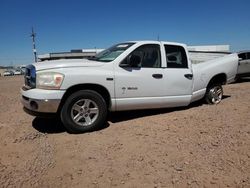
(126, 76)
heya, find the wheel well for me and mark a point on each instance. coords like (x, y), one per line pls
(94, 87)
(218, 79)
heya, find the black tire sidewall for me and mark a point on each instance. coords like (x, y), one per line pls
(67, 121)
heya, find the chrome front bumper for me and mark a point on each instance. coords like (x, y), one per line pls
(40, 100)
(38, 105)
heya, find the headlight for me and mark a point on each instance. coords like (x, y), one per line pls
(49, 80)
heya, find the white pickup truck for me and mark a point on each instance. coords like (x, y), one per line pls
(127, 76)
(244, 65)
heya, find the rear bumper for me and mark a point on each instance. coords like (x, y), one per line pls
(41, 101)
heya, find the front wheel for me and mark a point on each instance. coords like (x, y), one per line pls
(84, 111)
(214, 94)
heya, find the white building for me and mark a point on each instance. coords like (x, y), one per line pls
(73, 54)
(204, 53)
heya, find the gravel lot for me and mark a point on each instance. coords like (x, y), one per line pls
(196, 146)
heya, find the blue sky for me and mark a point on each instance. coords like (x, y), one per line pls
(62, 25)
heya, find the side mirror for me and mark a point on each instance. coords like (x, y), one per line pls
(131, 61)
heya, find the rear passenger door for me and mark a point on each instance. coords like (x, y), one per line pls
(178, 76)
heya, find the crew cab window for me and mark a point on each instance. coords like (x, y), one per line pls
(149, 54)
(176, 56)
(243, 56)
(248, 55)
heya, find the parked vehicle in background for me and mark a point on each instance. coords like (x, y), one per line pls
(23, 70)
(127, 76)
(18, 72)
(244, 64)
(8, 73)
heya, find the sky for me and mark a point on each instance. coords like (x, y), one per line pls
(62, 25)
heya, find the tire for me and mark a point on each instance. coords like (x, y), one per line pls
(214, 94)
(84, 111)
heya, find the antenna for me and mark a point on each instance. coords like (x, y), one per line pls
(33, 35)
(158, 37)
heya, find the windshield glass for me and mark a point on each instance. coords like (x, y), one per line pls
(112, 53)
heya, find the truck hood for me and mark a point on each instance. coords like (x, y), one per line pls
(66, 63)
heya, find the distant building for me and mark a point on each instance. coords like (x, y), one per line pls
(204, 53)
(210, 48)
(73, 54)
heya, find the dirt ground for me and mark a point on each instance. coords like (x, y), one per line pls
(196, 146)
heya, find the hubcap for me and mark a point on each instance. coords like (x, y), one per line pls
(216, 94)
(84, 112)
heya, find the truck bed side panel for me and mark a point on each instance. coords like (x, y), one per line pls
(204, 72)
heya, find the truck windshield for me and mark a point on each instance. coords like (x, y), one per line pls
(112, 53)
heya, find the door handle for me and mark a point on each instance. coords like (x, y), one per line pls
(157, 76)
(189, 76)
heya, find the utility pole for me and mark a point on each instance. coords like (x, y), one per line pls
(158, 37)
(33, 35)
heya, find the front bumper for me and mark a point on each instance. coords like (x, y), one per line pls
(41, 101)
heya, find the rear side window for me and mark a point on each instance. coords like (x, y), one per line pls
(176, 56)
(248, 55)
(243, 56)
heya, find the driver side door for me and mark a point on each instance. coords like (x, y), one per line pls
(142, 86)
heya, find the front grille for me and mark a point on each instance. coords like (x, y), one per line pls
(30, 76)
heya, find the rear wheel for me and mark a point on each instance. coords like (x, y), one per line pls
(214, 94)
(84, 111)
